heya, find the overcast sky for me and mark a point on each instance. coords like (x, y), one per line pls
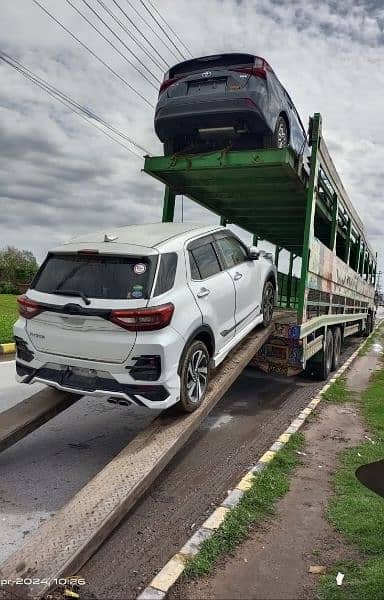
(59, 176)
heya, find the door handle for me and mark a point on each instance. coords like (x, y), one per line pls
(203, 292)
(237, 276)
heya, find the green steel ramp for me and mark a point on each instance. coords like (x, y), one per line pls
(258, 190)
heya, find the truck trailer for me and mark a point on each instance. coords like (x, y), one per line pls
(298, 203)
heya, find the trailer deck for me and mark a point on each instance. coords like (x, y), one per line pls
(262, 191)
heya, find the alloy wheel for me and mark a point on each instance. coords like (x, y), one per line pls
(197, 375)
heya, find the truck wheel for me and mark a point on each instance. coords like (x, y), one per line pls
(268, 303)
(336, 348)
(368, 326)
(322, 368)
(194, 376)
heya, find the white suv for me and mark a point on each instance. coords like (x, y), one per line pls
(143, 313)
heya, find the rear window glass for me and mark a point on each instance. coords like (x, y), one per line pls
(211, 62)
(110, 277)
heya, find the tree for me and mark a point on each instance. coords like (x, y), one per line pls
(17, 269)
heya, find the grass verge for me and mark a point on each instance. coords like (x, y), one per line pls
(257, 504)
(337, 393)
(357, 512)
(8, 316)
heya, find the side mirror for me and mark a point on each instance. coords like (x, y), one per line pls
(253, 253)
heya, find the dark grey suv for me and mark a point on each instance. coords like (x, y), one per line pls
(231, 100)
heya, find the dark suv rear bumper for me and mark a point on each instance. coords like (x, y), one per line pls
(185, 117)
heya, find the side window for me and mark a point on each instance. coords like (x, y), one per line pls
(204, 261)
(166, 274)
(232, 250)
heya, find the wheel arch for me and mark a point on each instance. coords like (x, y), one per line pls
(205, 334)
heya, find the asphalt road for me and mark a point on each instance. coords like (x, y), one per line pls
(41, 472)
(253, 413)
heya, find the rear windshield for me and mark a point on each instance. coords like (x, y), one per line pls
(110, 277)
(211, 62)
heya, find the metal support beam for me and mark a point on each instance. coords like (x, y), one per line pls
(168, 205)
(348, 242)
(255, 240)
(277, 254)
(292, 257)
(358, 258)
(309, 215)
(223, 221)
(335, 212)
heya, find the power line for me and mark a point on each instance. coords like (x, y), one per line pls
(153, 30)
(141, 33)
(134, 38)
(122, 79)
(120, 40)
(162, 29)
(169, 27)
(73, 105)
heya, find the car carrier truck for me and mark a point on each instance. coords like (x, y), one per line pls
(298, 203)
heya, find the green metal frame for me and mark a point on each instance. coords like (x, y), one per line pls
(270, 194)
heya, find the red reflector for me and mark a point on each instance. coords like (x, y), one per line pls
(166, 83)
(143, 319)
(27, 308)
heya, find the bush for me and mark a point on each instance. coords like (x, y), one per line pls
(17, 268)
(7, 287)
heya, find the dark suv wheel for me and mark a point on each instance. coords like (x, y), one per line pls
(194, 376)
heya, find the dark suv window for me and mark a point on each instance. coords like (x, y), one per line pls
(166, 274)
(232, 250)
(97, 276)
(204, 261)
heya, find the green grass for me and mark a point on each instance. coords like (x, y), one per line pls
(370, 341)
(337, 393)
(257, 504)
(8, 316)
(357, 512)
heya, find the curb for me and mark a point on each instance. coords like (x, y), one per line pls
(8, 348)
(170, 573)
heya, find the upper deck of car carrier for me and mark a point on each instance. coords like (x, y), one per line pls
(298, 203)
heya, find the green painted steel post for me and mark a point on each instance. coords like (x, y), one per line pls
(255, 239)
(292, 257)
(223, 221)
(358, 254)
(335, 211)
(277, 254)
(309, 215)
(168, 205)
(348, 242)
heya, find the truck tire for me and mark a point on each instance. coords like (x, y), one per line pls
(336, 348)
(194, 376)
(322, 367)
(268, 303)
(368, 325)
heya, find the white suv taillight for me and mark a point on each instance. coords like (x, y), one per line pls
(143, 319)
(28, 308)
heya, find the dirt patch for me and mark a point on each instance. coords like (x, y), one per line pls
(274, 562)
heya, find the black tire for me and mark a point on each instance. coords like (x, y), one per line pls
(195, 359)
(322, 366)
(336, 348)
(268, 303)
(368, 325)
(173, 146)
(280, 137)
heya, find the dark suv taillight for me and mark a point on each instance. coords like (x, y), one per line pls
(166, 83)
(143, 319)
(28, 308)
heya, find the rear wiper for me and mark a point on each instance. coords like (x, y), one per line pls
(73, 293)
